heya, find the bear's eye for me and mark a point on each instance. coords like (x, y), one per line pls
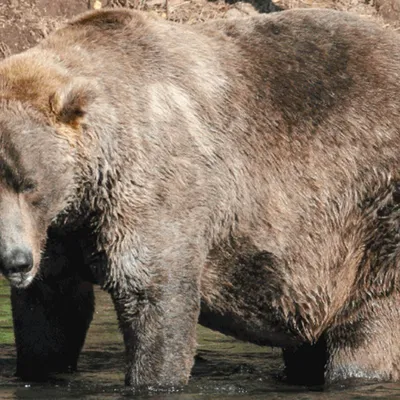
(27, 187)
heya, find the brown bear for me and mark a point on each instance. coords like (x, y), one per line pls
(240, 173)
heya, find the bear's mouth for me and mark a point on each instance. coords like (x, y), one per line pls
(20, 280)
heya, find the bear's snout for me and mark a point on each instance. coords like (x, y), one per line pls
(19, 251)
(18, 260)
(16, 265)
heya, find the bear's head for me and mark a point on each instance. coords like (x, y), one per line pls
(41, 118)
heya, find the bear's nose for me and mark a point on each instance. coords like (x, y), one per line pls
(16, 261)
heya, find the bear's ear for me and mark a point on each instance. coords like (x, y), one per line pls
(70, 104)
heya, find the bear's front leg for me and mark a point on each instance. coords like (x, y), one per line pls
(50, 326)
(159, 329)
(306, 364)
(51, 316)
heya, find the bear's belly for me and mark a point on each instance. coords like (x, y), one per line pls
(244, 325)
(238, 288)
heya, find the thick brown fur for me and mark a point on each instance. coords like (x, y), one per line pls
(242, 173)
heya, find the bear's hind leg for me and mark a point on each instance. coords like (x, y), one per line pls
(367, 347)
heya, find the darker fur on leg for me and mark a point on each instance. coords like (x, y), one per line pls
(52, 316)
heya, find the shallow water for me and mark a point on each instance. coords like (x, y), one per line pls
(224, 368)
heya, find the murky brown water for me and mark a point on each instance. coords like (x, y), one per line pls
(225, 368)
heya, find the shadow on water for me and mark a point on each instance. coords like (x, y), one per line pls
(224, 368)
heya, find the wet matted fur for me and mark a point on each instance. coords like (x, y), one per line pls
(241, 173)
